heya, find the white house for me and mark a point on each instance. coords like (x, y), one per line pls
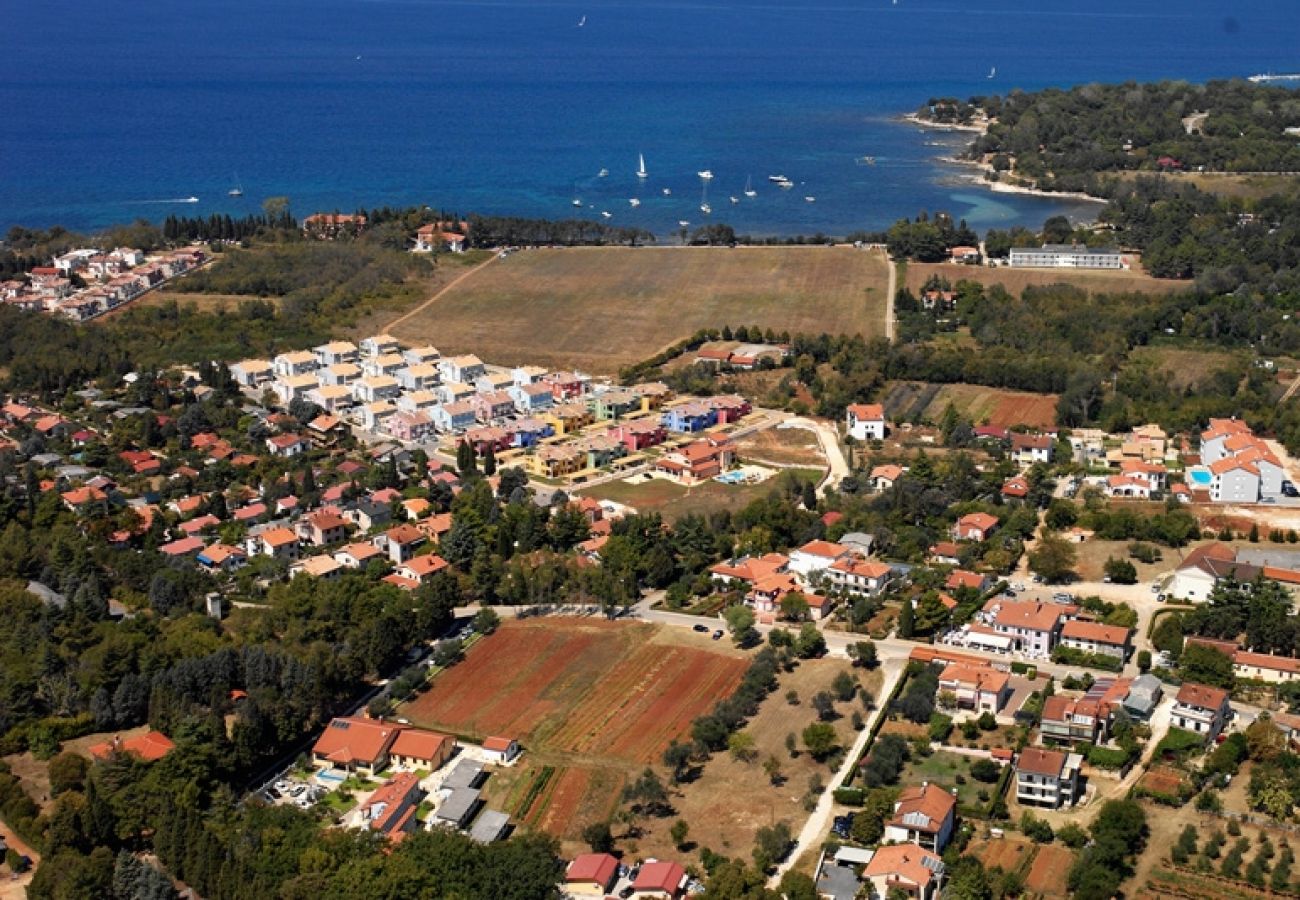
(1027, 449)
(336, 352)
(465, 369)
(374, 388)
(923, 815)
(1047, 777)
(980, 688)
(501, 750)
(906, 867)
(1234, 480)
(815, 557)
(379, 345)
(865, 421)
(251, 372)
(1093, 637)
(1201, 709)
(859, 576)
(290, 387)
(288, 364)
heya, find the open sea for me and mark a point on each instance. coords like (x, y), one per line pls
(115, 111)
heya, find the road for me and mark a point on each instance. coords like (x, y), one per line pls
(890, 323)
(829, 439)
(819, 821)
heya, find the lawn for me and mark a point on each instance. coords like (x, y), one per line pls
(942, 768)
(599, 308)
(1109, 281)
(674, 501)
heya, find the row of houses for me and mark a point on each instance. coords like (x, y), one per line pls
(111, 279)
(1036, 629)
(1241, 468)
(1211, 564)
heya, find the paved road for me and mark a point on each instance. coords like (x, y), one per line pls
(814, 830)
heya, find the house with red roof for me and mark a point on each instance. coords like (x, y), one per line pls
(924, 815)
(591, 875)
(865, 421)
(391, 808)
(323, 527)
(816, 557)
(975, 526)
(962, 578)
(699, 460)
(279, 543)
(1047, 777)
(1016, 488)
(355, 744)
(402, 542)
(150, 746)
(1067, 720)
(1201, 709)
(1027, 449)
(659, 881)
(978, 687)
(1034, 627)
(287, 445)
(421, 568)
(908, 868)
(415, 748)
(858, 576)
(501, 750)
(1094, 637)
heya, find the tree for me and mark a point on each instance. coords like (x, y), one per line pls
(67, 772)
(771, 844)
(985, 770)
(1144, 660)
(794, 607)
(490, 461)
(1053, 558)
(647, 795)
(1120, 571)
(824, 703)
(863, 653)
(906, 619)
(741, 747)
(486, 621)
(797, 886)
(844, 686)
(772, 769)
(678, 833)
(810, 642)
(1206, 665)
(677, 758)
(819, 738)
(599, 837)
(740, 621)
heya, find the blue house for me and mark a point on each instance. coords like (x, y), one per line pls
(690, 417)
(530, 432)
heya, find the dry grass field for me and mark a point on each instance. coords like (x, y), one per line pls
(1180, 367)
(1226, 184)
(1016, 280)
(598, 308)
(206, 303)
(984, 405)
(673, 500)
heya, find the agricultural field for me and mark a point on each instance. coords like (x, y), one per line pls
(1043, 868)
(592, 701)
(599, 308)
(1107, 281)
(674, 501)
(905, 401)
(1180, 367)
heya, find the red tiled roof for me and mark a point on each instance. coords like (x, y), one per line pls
(150, 746)
(659, 876)
(349, 740)
(498, 744)
(1095, 631)
(930, 800)
(1037, 761)
(868, 411)
(416, 743)
(593, 868)
(1202, 695)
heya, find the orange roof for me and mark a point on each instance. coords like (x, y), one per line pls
(498, 744)
(362, 551)
(150, 746)
(1095, 631)
(405, 534)
(823, 548)
(659, 876)
(981, 678)
(860, 568)
(1037, 761)
(929, 800)
(279, 537)
(982, 521)
(1232, 463)
(1031, 615)
(351, 739)
(906, 862)
(871, 411)
(889, 472)
(406, 584)
(1202, 695)
(422, 566)
(961, 578)
(392, 795)
(416, 743)
(326, 521)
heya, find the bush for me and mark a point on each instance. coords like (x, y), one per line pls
(1036, 829)
(985, 770)
(1072, 835)
(940, 727)
(850, 796)
(1120, 571)
(987, 722)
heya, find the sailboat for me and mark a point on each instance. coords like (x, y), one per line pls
(582, 21)
(603, 173)
(634, 202)
(577, 201)
(668, 192)
(237, 190)
(704, 200)
(749, 187)
(993, 71)
(706, 175)
(735, 199)
(641, 170)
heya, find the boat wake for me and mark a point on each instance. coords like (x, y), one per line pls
(170, 200)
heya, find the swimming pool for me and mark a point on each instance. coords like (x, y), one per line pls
(1200, 475)
(735, 477)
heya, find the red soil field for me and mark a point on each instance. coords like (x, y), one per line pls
(1047, 876)
(1026, 409)
(583, 686)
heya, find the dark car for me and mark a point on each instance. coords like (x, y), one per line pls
(700, 628)
(717, 635)
(626, 892)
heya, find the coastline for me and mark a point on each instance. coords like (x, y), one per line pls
(915, 119)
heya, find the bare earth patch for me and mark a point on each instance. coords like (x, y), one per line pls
(1016, 280)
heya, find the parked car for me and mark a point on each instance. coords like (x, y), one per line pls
(717, 635)
(700, 628)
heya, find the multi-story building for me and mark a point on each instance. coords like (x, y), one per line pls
(1065, 256)
(1047, 777)
(1201, 709)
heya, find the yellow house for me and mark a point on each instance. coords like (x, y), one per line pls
(556, 460)
(654, 394)
(567, 418)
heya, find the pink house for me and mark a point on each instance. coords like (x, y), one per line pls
(731, 408)
(410, 426)
(639, 434)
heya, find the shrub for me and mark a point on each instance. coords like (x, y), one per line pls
(985, 770)
(940, 727)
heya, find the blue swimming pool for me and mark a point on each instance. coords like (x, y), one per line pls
(1199, 476)
(735, 477)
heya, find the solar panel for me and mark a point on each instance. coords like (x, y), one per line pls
(340, 724)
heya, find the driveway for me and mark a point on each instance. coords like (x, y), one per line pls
(829, 439)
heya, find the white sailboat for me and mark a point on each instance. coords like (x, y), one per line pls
(704, 199)
(582, 21)
(668, 192)
(634, 202)
(735, 199)
(706, 175)
(749, 187)
(237, 190)
(993, 72)
(607, 214)
(641, 170)
(603, 173)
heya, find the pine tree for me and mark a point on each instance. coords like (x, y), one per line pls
(490, 461)
(906, 619)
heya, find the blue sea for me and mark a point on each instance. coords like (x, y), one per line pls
(114, 111)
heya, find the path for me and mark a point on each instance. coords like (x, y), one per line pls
(434, 299)
(10, 887)
(1290, 391)
(889, 298)
(814, 830)
(830, 444)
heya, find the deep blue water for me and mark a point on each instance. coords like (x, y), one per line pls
(509, 107)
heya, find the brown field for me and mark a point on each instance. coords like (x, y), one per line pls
(1047, 875)
(206, 303)
(1007, 854)
(984, 405)
(673, 500)
(1016, 280)
(1224, 184)
(1182, 367)
(787, 446)
(598, 308)
(592, 702)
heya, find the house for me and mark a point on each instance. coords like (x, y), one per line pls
(1154, 474)
(150, 747)
(410, 426)
(286, 445)
(491, 826)
(981, 688)
(1069, 721)
(591, 875)
(323, 527)
(638, 434)
(367, 514)
(336, 352)
(689, 417)
(1033, 626)
(391, 809)
(289, 388)
(222, 558)
(1144, 695)
(1027, 449)
(531, 397)
(325, 568)
(415, 748)
(884, 477)
(492, 406)
(355, 744)
(461, 368)
(962, 578)
(1015, 488)
(908, 868)
(357, 556)
(565, 386)
(327, 226)
(945, 553)
(614, 404)
(374, 388)
(698, 461)
(1265, 667)
(815, 557)
(501, 750)
(1128, 487)
(748, 569)
(339, 374)
(654, 394)
(380, 345)
(1093, 637)
(297, 363)
(251, 372)
(279, 543)
(555, 460)
(421, 568)
(659, 881)
(859, 576)
(454, 417)
(527, 374)
(1065, 256)
(491, 382)
(974, 527)
(402, 542)
(966, 255)
(567, 418)
(925, 816)
(1047, 777)
(1202, 568)
(865, 421)
(1201, 709)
